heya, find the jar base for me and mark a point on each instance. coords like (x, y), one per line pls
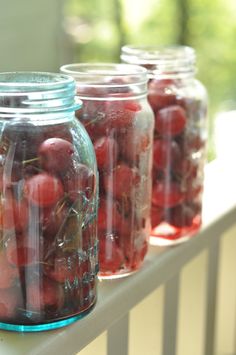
(46, 326)
(118, 275)
(166, 235)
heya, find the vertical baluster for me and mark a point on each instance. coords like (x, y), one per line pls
(118, 337)
(212, 278)
(171, 302)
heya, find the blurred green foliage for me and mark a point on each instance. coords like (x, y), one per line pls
(98, 29)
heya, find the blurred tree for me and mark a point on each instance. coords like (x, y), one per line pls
(101, 27)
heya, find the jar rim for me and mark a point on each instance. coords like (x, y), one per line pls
(154, 54)
(37, 92)
(33, 80)
(103, 69)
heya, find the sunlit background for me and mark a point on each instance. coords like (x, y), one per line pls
(42, 35)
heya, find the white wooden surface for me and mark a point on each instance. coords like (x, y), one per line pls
(161, 267)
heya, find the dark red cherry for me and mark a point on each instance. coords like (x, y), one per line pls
(8, 303)
(106, 150)
(121, 181)
(181, 216)
(161, 93)
(167, 194)
(43, 189)
(43, 294)
(8, 272)
(110, 255)
(79, 181)
(55, 154)
(166, 154)
(170, 120)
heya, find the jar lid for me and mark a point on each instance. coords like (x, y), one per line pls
(37, 92)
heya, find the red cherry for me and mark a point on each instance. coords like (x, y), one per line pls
(170, 120)
(166, 154)
(13, 213)
(46, 293)
(166, 194)
(121, 182)
(52, 220)
(106, 150)
(135, 255)
(161, 93)
(19, 254)
(109, 218)
(181, 216)
(157, 215)
(8, 303)
(55, 154)
(134, 144)
(193, 190)
(62, 268)
(120, 114)
(110, 255)
(8, 273)
(79, 181)
(43, 189)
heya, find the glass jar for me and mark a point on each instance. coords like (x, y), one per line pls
(120, 123)
(48, 204)
(179, 103)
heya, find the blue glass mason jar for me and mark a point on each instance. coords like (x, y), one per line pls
(48, 204)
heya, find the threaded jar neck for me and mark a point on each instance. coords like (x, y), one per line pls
(163, 62)
(34, 93)
(108, 80)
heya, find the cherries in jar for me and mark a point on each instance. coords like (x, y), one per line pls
(48, 204)
(120, 123)
(179, 103)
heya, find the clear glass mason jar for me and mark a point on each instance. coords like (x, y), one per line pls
(179, 103)
(120, 123)
(48, 204)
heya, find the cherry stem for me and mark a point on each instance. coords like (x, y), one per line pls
(30, 160)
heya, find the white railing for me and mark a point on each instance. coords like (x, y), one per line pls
(182, 301)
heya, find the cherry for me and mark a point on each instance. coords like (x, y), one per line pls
(55, 154)
(181, 216)
(13, 213)
(52, 220)
(119, 114)
(161, 93)
(8, 303)
(193, 190)
(134, 144)
(79, 181)
(106, 150)
(110, 255)
(92, 116)
(19, 253)
(170, 120)
(43, 189)
(62, 268)
(157, 215)
(166, 154)
(108, 216)
(166, 194)
(8, 273)
(122, 181)
(135, 255)
(46, 293)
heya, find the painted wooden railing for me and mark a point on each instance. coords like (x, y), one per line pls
(182, 301)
